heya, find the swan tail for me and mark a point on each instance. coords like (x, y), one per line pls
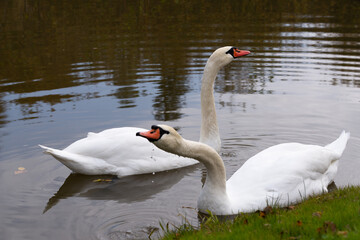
(47, 150)
(79, 163)
(63, 156)
(338, 146)
(58, 154)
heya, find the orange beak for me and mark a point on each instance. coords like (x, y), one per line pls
(239, 53)
(151, 135)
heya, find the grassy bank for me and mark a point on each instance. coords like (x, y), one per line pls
(335, 215)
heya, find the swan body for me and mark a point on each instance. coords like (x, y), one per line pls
(118, 151)
(104, 153)
(279, 175)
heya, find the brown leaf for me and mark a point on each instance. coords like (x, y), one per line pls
(327, 226)
(262, 214)
(20, 170)
(268, 210)
(299, 223)
(291, 207)
(102, 180)
(331, 226)
(342, 233)
(294, 238)
(265, 212)
(246, 221)
(317, 214)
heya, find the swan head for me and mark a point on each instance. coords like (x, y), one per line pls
(164, 137)
(224, 55)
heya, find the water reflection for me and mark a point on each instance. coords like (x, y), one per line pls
(172, 86)
(130, 189)
(68, 67)
(62, 53)
(2, 117)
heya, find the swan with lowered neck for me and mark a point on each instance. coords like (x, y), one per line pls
(280, 175)
(118, 151)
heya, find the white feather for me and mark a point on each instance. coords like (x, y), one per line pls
(279, 175)
(119, 152)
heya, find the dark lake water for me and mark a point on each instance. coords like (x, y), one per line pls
(70, 67)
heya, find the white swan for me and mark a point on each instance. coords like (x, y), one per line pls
(118, 151)
(280, 175)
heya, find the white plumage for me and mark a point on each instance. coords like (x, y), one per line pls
(118, 151)
(279, 175)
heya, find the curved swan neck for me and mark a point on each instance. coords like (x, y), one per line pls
(213, 196)
(205, 154)
(210, 158)
(209, 133)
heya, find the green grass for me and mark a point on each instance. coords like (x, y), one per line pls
(335, 215)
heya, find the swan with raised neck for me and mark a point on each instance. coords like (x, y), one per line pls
(280, 175)
(209, 133)
(117, 151)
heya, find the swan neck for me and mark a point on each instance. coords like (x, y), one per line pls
(209, 133)
(209, 157)
(213, 196)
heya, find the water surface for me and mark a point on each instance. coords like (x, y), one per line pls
(71, 67)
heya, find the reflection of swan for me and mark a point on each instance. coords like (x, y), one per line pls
(125, 190)
(279, 175)
(118, 152)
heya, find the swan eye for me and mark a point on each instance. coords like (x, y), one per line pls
(232, 51)
(159, 130)
(154, 134)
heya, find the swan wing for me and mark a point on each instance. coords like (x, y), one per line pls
(285, 173)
